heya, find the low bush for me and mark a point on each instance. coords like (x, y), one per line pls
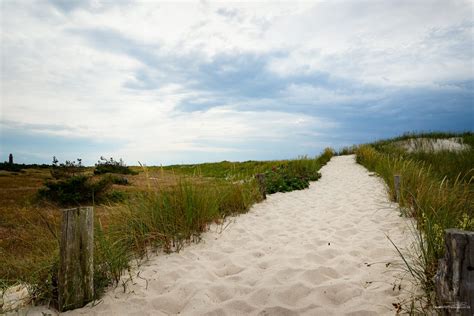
(105, 165)
(75, 190)
(296, 174)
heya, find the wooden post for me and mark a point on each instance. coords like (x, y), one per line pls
(261, 183)
(76, 261)
(397, 181)
(454, 280)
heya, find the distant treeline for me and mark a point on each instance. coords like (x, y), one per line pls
(17, 167)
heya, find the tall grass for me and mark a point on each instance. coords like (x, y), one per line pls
(430, 193)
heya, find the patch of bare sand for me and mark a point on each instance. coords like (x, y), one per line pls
(422, 144)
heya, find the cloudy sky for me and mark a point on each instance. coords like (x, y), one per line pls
(179, 82)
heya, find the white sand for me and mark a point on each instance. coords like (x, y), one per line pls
(422, 144)
(300, 253)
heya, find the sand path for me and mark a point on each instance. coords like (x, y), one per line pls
(319, 251)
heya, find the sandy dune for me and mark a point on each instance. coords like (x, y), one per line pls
(320, 251)
(423, 144)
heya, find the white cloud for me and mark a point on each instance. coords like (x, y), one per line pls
(54, 72)
(305, 93)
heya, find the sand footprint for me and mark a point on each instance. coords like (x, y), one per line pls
(290, 295)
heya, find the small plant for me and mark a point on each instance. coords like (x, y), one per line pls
(105, 165)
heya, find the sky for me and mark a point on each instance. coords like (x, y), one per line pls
(188, 82)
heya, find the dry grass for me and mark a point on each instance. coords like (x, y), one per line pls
(29, 227)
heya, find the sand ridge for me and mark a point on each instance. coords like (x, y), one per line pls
(319, 251)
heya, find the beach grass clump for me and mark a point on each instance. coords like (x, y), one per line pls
(165, 219)
(30, 255)
(431, 192)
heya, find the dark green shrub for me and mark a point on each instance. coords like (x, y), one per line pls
(105, 165)
(74, 190)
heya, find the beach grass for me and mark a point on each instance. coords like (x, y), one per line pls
(437, 191)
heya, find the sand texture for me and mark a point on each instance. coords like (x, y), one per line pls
(319, 251)
(428, 145)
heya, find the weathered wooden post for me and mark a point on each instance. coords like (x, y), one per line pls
(397, 181)
(454, 280)
(76, 261)
(261, 183)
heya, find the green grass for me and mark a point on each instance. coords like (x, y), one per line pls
(437, 190)
(225, 169)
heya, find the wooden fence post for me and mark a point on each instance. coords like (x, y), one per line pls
(76, 261)
(454, 280)
(261, 183)
(397, 181)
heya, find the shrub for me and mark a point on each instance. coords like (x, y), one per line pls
(67, 169)
(75, 190)
(296, 174)
(105, 165)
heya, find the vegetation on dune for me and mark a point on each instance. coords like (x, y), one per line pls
(163, 220)
(112, 166)
(72, 186)
(296, 174)
(76, 190)
(162, 208)
(437, 190)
